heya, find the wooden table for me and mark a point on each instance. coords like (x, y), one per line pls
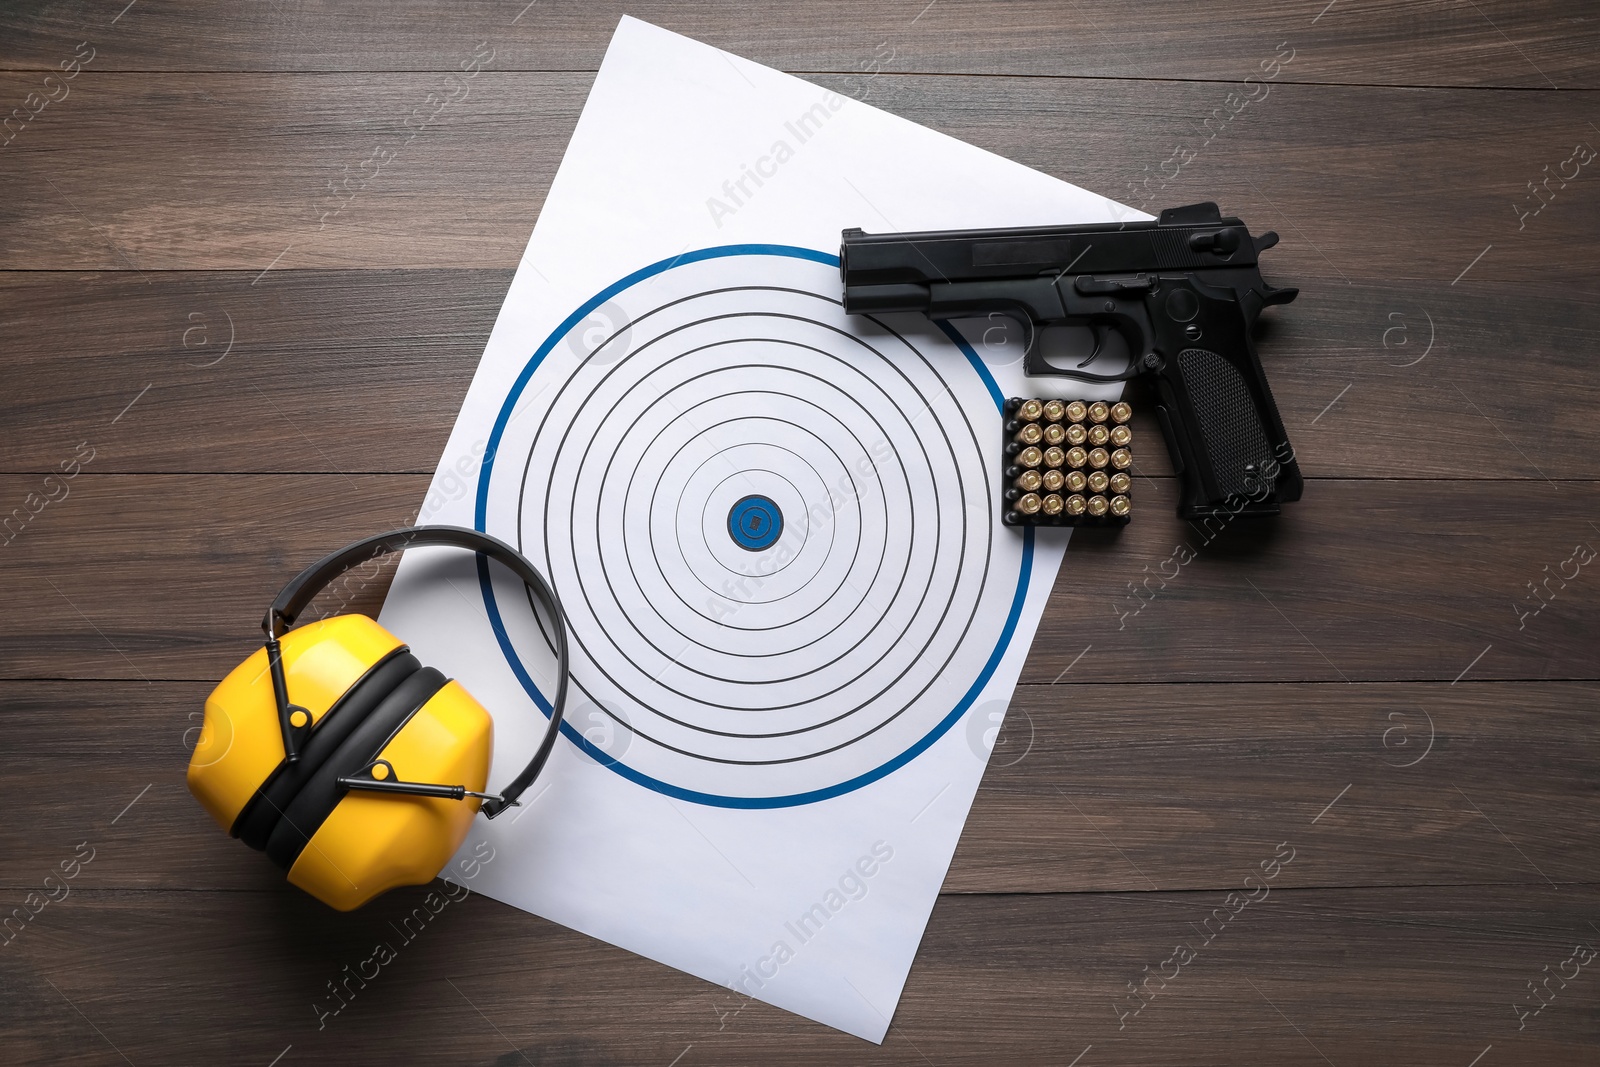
(241, 364)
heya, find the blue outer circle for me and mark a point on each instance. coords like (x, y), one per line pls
(755, 523)
(567, 729)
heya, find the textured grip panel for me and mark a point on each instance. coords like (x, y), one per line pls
(1230, 428)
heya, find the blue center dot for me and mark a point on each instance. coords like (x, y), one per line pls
(755, 523)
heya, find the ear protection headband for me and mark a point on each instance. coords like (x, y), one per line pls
(336, 752)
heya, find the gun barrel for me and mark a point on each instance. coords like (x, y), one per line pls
(885, 299)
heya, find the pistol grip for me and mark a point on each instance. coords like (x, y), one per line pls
(1228, 445)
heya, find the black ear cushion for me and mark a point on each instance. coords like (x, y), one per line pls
(321, 793)
(258, 817)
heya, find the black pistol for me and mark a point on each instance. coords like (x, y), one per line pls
(1184, 292)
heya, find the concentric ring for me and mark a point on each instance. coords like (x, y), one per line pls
(773, 530)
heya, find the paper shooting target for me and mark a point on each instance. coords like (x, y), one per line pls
(773, 528)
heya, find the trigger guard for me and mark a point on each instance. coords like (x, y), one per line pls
(1034, 365)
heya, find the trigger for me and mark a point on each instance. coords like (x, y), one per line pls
(1099, 342)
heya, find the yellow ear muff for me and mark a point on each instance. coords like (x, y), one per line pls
(240, 745)
(261, 815)
(338, 784)
(343, 848)
(368, 843)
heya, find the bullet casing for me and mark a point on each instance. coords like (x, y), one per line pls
(1099, 411)
(1054, 457)
(1052, 505)
(1030, 434)
(1054, 410)
(1121, 411)
(1076, 481)
(1122, 459)
(1030, 456)
(1029, 504)
(1098, 506)
(1053, 480)
(1099, 457)
(1028, 481)
(1030, 410)
(1076, 434)
(1098, 481)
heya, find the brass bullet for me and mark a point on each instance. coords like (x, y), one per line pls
(1075, 481)
(1030, 433)
(1075, 505)
(1054, 434)
(1054, 457)
(1122, 459)
(1030, 456)
(1120, 436)
(1119, 506)
(1053, 504)
(1054, 409)
(1076, 411)
(1052, 481)
(1099, 457)
(1098, 435)
(1029, 505)
(1099, 411)
(1097, 506)
(1098, 481)
(1028, 481)
(1030, 410)
(1120, 483)
(1121, 412)
(1076, 434)
(1076, 457)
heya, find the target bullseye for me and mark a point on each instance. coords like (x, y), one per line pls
(774, 533)
(755, 523)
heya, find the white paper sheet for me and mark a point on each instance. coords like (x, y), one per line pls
(776, 731)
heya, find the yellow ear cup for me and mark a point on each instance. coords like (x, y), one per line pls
(373, 842)
(240, 742)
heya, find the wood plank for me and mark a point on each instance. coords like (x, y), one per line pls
(1358, 581)
(328, 371)
(1532, 45)
(242, 186)
(1092, 788)
(163, 547)
(1140, 787)
(1423, 976)
(365, 371)
(165, 576)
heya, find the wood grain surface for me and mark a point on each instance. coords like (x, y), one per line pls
(1395, 681)
(1369, 184)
